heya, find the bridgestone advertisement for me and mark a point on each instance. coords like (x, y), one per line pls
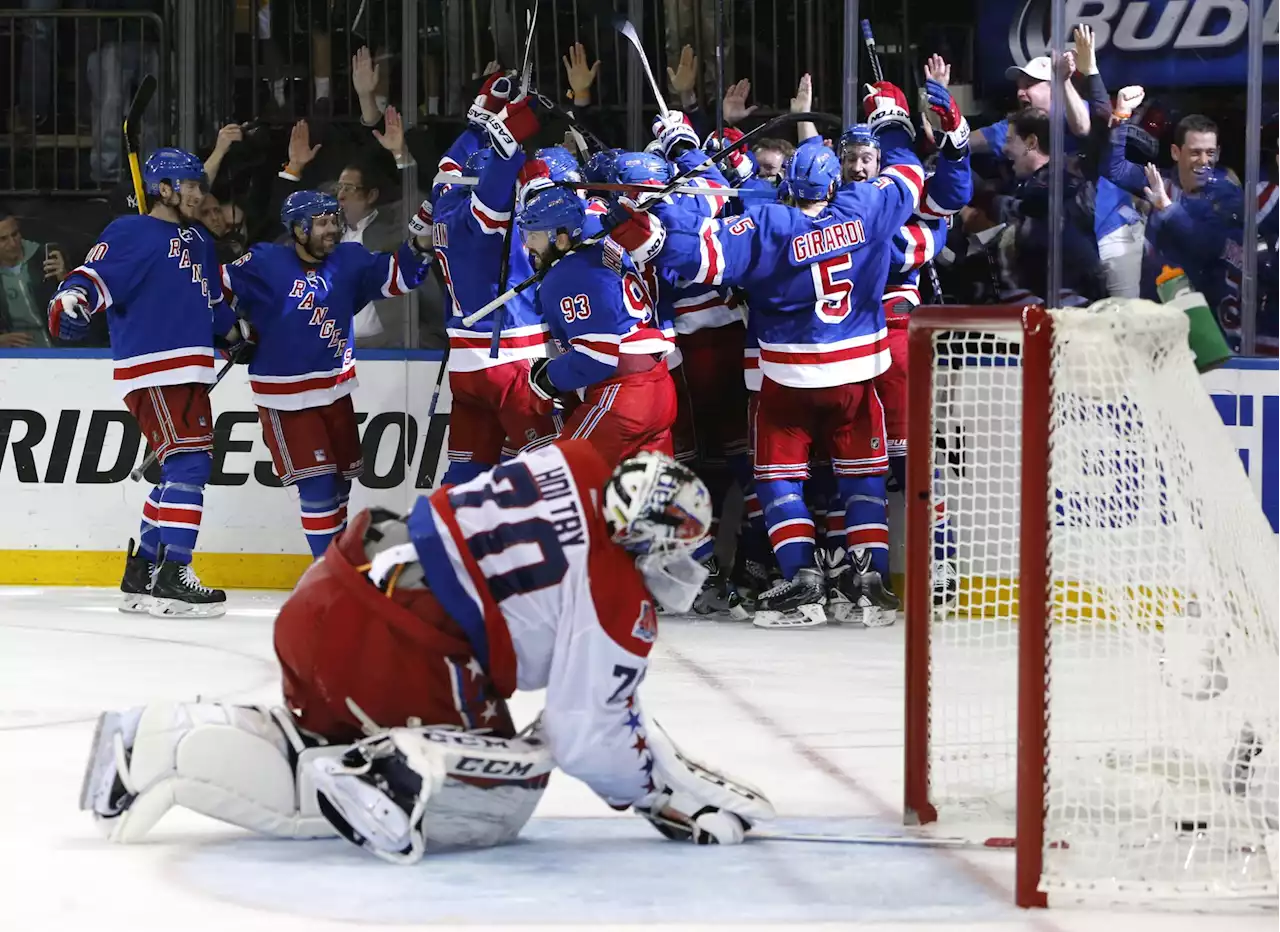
(67, 445)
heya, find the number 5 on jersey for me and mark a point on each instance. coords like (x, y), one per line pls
(833, 295)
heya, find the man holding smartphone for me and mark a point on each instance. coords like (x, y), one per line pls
(29, 274)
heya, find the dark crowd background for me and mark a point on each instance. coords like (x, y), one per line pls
(281, 94)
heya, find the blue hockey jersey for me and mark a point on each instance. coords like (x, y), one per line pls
(157, 283)
(948, 189)
(303, 315)
(815, 283)
(599, 312)
(470, 228)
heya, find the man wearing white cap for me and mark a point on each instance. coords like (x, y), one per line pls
(1035, 89)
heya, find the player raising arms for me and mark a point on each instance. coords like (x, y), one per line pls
(155, 277)
(601, 315)
(542, 573)
(301, 299)
(492, 405)
(814, 273)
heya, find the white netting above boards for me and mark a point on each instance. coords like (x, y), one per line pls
(1160, 665)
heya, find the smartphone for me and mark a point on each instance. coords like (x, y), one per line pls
(50, 249)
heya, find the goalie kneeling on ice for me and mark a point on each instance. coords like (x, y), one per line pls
(400, 616)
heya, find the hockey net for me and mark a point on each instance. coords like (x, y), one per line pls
(1091, 606)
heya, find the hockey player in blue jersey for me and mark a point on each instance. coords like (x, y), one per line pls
(155, 277)
(604, 322)
(493, 407)
(947, 189)
(815, 273)
(301, 299)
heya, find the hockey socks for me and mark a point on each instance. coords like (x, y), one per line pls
(324, 511)
(178, 505)
(866, 518)
(149, 536)
(789, 524)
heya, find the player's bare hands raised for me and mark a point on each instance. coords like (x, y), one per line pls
(1086, 50)
(364, 73)
(228, 136)
(803, 101)
(580, 76)
(938, 69)
(301, 151)
(735, 102)
(1155, 192)
(684, 79)
(392, 138)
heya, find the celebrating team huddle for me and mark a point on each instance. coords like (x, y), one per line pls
(673, 345)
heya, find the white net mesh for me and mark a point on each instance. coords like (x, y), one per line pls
(1162, 683)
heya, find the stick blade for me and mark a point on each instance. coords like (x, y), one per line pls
(133, 118)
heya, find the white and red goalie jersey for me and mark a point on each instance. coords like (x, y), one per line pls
(522, 559)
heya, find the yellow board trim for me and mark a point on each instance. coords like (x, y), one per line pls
(105, 567)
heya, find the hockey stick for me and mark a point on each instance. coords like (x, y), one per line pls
(678, 181)
(152, 456)
(901, 841)
(869, 40)
(695, 189)
(504, 262)
(132, 136)
(623, 25)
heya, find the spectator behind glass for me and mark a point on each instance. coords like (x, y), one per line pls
(35, 77)
(1035, 90)
(226, 223)
(1027, 212)
(126, 50)
(27, 281)
(771, 155)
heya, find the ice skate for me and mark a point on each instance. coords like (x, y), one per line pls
(749, 579)
(835, 568)
(946, 584)
(136, 584)
(794, 603)
(718, 596)
(869, 602)
(177, 591)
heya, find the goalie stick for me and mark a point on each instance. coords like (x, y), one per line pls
(132, 136)
(900, 841)
(760, 131)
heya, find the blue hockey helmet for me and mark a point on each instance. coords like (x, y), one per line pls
(561, 163)
(811, 171)
(551, 209)
(172, 165)
(641, 168)
(301, 207)
(477, 162)
(859, 134)
(601, 168)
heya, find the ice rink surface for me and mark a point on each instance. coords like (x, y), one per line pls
(813, 717)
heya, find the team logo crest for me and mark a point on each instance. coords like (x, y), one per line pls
(646, 626)
(319, 455)
(204, 421)
(531, 435)
(875, 443)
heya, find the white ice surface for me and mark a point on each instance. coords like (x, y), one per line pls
(814, 717)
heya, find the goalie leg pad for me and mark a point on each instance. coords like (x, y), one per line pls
(399, 793)
(237, 764)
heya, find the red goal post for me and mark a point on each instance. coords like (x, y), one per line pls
(1108, 657)
(1034, 326)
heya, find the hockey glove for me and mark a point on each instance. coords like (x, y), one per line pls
(508, 129)
(707, 826)
(540, 380)
(421, 224)
(738, 164)
(241, 343)
(496, 91)
(535, 175)
(886, 105)
(674, 133)
(69, 314)
(954, 126)
(639, 233)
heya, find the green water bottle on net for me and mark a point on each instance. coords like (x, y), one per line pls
(1206, 338)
